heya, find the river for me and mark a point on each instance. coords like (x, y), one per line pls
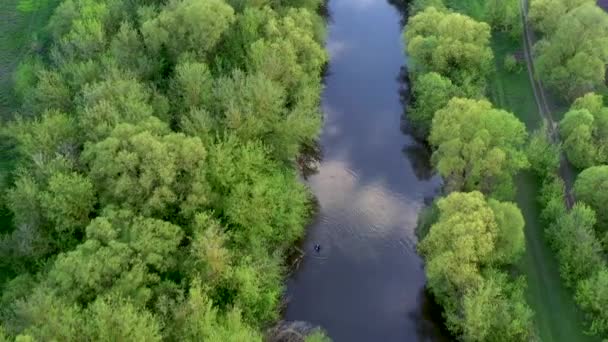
(366, 283)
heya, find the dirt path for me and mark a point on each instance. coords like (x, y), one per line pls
(566, 170)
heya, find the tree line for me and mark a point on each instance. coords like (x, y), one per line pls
(571, 58)
(155, 194)
(471, 238)
(478, 149)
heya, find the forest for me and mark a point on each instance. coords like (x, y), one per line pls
(473, 236)
(150, 184)
(152, 192)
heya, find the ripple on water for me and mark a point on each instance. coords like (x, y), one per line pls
(360, 213)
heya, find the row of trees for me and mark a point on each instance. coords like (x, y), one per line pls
(156, 197)
(475, 236)
(572, 58)
(577, 235)
(573, 52)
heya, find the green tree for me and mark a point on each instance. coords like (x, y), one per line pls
(290, 55)
(510, 241)
(50, 317)
(453, 45)
(475, 230)
(497, 310)
(129, 51)
(47, 317)
(543, 154)
(470, 237)
(572, 65)
(254, 108)
(122, 255)
(462, 239)
(68, 202)
(584, 130)
(198, 320)
(51, 92)
(149, 170)
(46, 144)
(115, 100)
(188, 26)
(114, 319)
(193, 85)
(24, 77)
(245, 180)
(591, 188)
(552, 198)
(478, 147)
(592, 295)
(578, 250)
(504, 15)
(249, 26)
(431, 92)
(546, 15)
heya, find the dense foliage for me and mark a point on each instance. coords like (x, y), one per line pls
(575, 235)
(584, 130)
(464, 252)
(572, 58)
(155, 197)
(478, 147)
(470, 242)
(591, 188)
(452, 45)
(504, 15)
(573, 54)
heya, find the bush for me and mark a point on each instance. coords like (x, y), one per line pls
(511, 64)
(542, 153)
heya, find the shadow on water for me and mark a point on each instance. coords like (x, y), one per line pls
(419, 156)
(370, 180)
(426, 317)
(418, 152)
(402, 6)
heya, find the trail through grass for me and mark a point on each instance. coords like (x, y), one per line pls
(557, 317)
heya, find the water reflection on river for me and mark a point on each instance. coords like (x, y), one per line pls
(366, 283)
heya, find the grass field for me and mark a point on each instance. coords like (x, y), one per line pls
(557, 317)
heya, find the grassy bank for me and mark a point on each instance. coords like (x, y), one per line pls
(557, 317)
